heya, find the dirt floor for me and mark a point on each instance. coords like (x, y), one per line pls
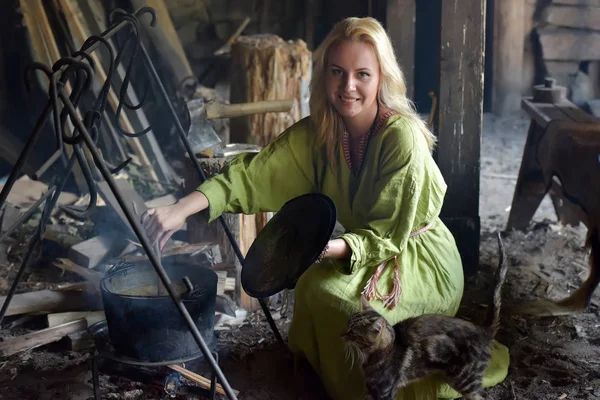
(551, 357)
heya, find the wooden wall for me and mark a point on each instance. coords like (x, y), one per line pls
(556, 36)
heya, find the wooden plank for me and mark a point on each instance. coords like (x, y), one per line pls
(509, 46)
(48, 301)
(400, 24)
(40, 338)
(569, 44)
(577, 114)
(543, 113)
(460, 118)
(91, 317)
(573, 17)
(46, 51)
(88, 274)
(91, 252)
(80, 341)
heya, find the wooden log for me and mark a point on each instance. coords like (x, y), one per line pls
(400, 24)
(509, 45)
(50, 301)
(573, 17)
(91, 317)
(569, 44)
(268, 68)
(166, 41)
(40, 338)
(460, 118)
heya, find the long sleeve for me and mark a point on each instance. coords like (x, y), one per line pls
(264, 181)
(408, 194)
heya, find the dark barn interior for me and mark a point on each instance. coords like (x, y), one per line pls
(111, 108)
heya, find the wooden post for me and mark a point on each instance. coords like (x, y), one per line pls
(400, 23)
(459, 124)
(268, 68)
(509, 47)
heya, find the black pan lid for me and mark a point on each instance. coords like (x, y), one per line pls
(288, 244)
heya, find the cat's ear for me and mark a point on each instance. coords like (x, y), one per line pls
(380, 324)
(364, 303)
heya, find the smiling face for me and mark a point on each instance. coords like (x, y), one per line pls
(353, 81)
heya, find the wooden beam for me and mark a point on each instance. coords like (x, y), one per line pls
(509, 48)
(400, 24)
(569, 44)
(40, 338)
(573, 17)
(460, 117)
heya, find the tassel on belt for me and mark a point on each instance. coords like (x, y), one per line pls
(391, 299)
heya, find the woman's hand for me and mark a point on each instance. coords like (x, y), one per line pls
(161, 223)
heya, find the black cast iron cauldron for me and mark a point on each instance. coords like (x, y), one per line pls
(144, 323)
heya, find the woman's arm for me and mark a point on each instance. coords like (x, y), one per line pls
(338, 249)
(161, 223)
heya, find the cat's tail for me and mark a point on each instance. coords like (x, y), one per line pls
(493, 316)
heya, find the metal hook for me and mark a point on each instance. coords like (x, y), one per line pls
(87, 57)
(83, 80)
(148, 10)
(93, 117)
(30, 68)
(135, 42)
(91, 183)
(53, 94)
(102, 98)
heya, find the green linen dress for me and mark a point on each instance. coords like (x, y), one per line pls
(398, 190)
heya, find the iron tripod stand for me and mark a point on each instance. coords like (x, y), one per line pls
(76, 72)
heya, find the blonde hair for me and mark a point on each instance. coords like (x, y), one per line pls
(392, 88)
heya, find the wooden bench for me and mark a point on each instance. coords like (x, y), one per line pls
(561, 158)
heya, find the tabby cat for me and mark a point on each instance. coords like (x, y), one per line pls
(394, 356)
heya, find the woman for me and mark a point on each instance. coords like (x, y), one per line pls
(365, 147)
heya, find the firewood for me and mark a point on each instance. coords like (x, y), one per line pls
(202, 381)
(88, 274)
(40, 338)
(91, 317)
(50, 301)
